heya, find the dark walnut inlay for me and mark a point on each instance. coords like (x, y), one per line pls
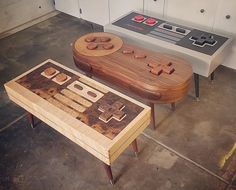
(122, 110)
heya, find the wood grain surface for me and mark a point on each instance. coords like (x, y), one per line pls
(79, 105)
(82, 45)
(75, 116)
(129, 68)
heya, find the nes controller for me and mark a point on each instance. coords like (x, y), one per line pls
(204, 50)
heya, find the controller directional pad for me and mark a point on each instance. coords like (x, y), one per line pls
(203, 40)
(159, 68)
(112, 111)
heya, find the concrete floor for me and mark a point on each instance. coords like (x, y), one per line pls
(185, 152)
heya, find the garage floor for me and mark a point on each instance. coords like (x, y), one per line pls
(192, 149)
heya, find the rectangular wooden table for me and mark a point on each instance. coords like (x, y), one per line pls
(99, 119)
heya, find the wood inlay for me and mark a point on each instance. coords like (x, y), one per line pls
(106, 141)
(69, 102)
(85, 91)
(81, 102)
(76, 97)
(93, 85)
(49, 71)
(158, 68)
(128, 68)
(45, 74)
(61, 78)
(68, 110)
(98, 44)
(113, 111)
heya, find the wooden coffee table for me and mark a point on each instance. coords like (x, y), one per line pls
(155, 77)
(99, 119)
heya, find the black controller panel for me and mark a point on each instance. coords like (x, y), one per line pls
(194, 39)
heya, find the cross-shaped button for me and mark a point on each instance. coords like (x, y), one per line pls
(203, 39)
(161, 67)
(111, 111)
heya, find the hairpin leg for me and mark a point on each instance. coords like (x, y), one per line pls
(173, 106)
(196, 81)
(109, 173)
(152, 105)
(31, 120)
(135, 147)
(212, 76)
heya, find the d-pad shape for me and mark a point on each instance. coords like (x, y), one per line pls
(111, 111)
(203, 39)
(158, 68)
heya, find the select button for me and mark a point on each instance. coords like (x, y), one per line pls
(180, 30)
(167, 26)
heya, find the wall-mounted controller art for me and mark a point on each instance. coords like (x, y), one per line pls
(155, 77)
(99, 119)
(204, 50)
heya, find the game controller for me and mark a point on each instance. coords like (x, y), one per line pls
(202, 49)
(156, 77)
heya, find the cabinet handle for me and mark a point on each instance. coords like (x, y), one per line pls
(155, 0)
(202, 10)
(227, 16)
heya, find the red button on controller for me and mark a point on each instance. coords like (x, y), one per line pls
(150, 21)
(139, 18)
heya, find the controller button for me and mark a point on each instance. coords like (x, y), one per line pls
(92, 46)
(127, 51)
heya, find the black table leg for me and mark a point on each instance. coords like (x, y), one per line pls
(31, 120)
(212, 76)
(196, 82)
(153, 123)
(135, 147)
(173, 106)
(109, 173)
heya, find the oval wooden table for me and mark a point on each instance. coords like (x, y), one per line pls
(155, 77)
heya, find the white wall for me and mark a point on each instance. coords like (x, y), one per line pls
(14, 13)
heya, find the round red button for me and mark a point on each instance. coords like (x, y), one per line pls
(139, 18)
(151, 21)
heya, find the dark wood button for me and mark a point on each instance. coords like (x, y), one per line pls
(105, 39)
(118, 114)
(92, 94)
(108, 46)
(90, 39)
(159, 68)
(111, 111)
(139, 56)
(78, 87)
(105, 116)
(128, 51)
(49, 71)
(61, 77)
(92, 46)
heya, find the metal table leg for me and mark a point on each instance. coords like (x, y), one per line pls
(135, 147)
(109, 173)
(212, 76)
(196, 82)
(153, 123)
(31, 120)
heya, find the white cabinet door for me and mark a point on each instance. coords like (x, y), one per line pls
(70, 7)
(199, 12)
(96, 11)
(154, 7)
(229, 60)
(226, 16)
(121, 7)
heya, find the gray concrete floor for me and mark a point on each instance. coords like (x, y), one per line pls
(183, 153)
